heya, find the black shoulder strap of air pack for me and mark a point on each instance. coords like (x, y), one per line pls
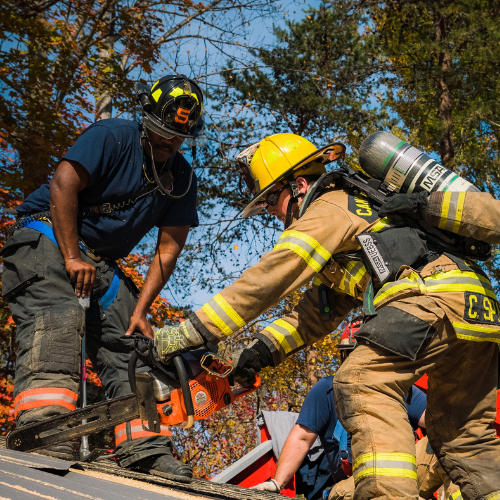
(344, 177)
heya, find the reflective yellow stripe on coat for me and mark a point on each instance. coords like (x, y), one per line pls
(222, 315)
(452, 210)
(450, 281)
(286, 335)
(354, 272)
(456, 496)
(384, 464)
(313, 253)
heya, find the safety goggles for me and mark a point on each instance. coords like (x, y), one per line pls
(272, 198)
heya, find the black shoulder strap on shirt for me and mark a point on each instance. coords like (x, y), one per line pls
(106, 208)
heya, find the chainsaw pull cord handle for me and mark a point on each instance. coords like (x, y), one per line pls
(186, 390)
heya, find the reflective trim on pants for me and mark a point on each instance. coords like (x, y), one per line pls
(136, 431)
(36, 398)
(385, 464)
(493, 496)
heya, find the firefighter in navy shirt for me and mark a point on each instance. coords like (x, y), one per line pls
(118, 181)
(318, 419)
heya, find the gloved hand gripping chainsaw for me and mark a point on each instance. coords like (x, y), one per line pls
(176, 390)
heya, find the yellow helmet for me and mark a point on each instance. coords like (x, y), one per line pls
(281, 158)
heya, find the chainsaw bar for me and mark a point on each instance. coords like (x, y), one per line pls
(99, 416)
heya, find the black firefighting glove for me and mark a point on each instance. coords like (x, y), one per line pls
(250, 361)
(401, 207)
(173, 340)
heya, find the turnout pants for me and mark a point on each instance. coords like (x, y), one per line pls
(369, 391)
(50, 324)
(430, 477)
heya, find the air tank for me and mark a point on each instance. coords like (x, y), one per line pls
(405, 169)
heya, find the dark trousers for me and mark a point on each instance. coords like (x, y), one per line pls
(50, 324)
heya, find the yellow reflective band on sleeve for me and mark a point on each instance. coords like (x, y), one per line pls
(452, 210)
(317, 282)
(395, 287)
(306, 247)
(354, 273)
(476, 333)
(379, 225)
(459, 281)
(157, 94)
(286, 335)
(176, 92)
(456, 496)
(222, 315)
(493, 496)
(384, 464)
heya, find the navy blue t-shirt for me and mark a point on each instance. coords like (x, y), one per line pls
(110, 151)
(318, 415)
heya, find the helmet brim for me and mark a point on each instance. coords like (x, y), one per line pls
(152, 123)
(258, 206)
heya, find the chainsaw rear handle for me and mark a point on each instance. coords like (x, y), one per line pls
(186, 390)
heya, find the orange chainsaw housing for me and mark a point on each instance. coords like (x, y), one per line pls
(210, 393)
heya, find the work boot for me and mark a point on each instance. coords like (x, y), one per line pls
(165, 466)
(63, 451)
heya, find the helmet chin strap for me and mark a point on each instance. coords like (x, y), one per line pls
(162, 190)
(291, 202)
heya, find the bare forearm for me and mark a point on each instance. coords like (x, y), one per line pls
(63, 213)
(294, 451)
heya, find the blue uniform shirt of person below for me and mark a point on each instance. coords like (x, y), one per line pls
(318, 414)
(110, 150)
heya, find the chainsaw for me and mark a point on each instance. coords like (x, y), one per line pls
(195, 385)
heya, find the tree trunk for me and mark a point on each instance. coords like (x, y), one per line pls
(104, 104)
(311, 372)
(446, 144)
(103, 107)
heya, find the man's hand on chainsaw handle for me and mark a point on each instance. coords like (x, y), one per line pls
(173, 340)
(250, 361)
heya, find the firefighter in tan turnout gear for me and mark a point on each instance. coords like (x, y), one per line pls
(436, 313)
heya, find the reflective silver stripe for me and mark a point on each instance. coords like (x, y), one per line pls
(385, 464)
(286, 334)
(223, 315)
(43, 397)
(429, 282)
(121, 432)
(308, 248)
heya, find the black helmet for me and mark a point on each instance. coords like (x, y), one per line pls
(171, 107)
